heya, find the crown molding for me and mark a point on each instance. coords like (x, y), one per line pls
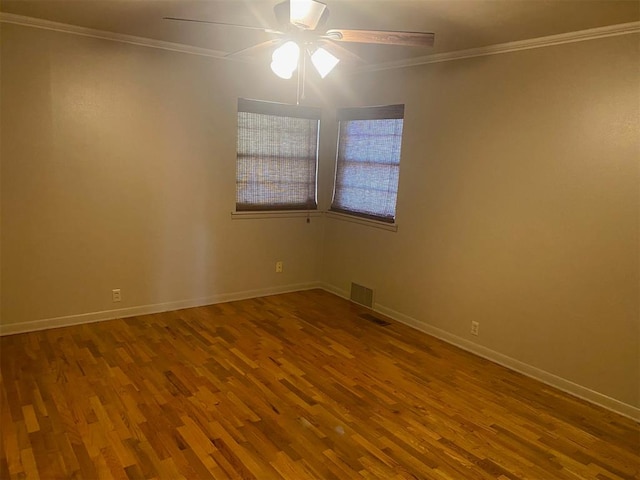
(496, 49)
(499, 48)
(116, 37)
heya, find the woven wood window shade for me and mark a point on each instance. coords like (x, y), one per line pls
(368, 162)
(277, 156)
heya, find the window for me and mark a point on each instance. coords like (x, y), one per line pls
(277, 156)
(368, 162)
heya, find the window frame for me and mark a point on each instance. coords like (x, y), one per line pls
(383, 112)
(274, 109)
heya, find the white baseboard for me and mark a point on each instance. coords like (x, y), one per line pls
(335, 290)
(34, 325)
(530, 371)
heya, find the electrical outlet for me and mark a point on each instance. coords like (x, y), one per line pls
(279, 267)
(475, 328)
(116, 295)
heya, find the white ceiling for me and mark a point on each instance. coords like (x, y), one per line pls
(458, 24)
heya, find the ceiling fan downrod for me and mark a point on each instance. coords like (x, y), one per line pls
(302, 75)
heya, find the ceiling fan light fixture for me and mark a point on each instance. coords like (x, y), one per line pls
(306, 13)
(281, 71)
(324, 61)
(285, 59)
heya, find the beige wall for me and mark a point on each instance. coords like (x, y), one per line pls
(518, 202)
(118, 171)
(518, 208)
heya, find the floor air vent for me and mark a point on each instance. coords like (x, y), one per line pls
(362, 295)
(374, 319)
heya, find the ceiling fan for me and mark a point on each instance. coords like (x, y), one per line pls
(302, 29)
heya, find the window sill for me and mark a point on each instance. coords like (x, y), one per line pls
(392, 227)
(259, 215)
(274, 214)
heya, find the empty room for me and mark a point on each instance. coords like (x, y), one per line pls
(302, 239)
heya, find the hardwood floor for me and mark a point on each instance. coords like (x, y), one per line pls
(290, 386)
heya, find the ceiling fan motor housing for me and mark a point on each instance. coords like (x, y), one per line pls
(303, 14)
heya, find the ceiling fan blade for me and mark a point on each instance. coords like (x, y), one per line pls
(345, 55)
(208, 22)
(387, 37)
(254, 50)
(281, 11)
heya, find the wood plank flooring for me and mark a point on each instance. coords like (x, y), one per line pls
(291, 386)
